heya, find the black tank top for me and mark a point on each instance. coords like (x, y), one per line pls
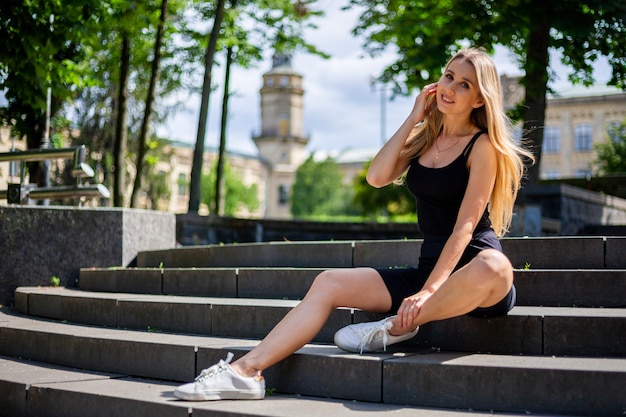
(439, 193)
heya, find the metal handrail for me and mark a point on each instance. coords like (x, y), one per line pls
(79, 170)
(38, 155)
(67, 191)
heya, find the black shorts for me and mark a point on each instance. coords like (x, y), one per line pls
(404, 282)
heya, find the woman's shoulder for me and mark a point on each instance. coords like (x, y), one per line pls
(480, 136)
(483, 141)
(483, 148)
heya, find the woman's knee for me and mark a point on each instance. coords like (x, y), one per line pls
(494, 265)
(350, 287)
(328, 282)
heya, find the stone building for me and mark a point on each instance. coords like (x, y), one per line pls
(176, 165)
(576, 120)
(9, 171)
(281, 141)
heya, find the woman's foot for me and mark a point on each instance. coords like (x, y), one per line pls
(370, 336)
(221, 382)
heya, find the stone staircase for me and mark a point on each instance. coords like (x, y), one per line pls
(126, 337)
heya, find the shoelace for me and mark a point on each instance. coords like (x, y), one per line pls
(368, 334)
(215, 369)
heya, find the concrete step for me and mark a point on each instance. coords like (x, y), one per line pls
(526, 330)
(539, 253)
(422, 378)
(538, 287)
(40, 389)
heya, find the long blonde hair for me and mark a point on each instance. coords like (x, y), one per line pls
(492, 118)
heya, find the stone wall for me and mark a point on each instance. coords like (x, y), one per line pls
(192, 229)
(40, 242)
(564, 210)
(543, 210)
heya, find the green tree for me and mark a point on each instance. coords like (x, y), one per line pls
(44, 44)
(142, 140)
(195, 184)
(237, 195)
(242, 51)
(611, 155)
(393, 200)
(94, 56)
(426, 33)
(154, 67)
(139, 30)
(121, 122)
(221, 155)
(156, 190)
(318, 189)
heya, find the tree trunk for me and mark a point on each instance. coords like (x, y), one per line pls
(145, 123)
(121, 127)
(198, 154)
(34, 122)
(220, 195)
(536, 81)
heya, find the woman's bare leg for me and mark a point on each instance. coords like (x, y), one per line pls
(483, 282)
(361, 288)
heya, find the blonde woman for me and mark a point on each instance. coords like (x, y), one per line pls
(458, 157)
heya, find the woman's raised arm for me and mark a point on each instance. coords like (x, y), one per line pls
(389, 164)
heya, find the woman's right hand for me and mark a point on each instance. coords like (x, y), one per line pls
(410, 309)
(389, 163)
(420, 108)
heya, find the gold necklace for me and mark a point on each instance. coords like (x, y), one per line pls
(449, 147)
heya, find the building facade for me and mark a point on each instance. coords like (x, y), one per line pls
(281, 141)
(9, 171)
(176, 166)
(576, 120)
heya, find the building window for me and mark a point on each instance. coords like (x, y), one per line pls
(582, 138)
(283, 194)
(14, 169)
(582, 173)
(551, 140)
(551, 175)
(616, 131)
(182, 184)
(284, 81)
(283, 124)
(269, 81)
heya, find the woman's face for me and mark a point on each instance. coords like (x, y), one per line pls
(457, 90)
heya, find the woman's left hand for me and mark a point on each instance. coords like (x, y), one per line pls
(410, 309)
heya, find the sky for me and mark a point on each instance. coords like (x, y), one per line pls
(341, 109)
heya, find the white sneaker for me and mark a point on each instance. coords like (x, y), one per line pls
(369, 337)
(220, 382)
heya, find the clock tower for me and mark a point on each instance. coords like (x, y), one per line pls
(281, 142)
